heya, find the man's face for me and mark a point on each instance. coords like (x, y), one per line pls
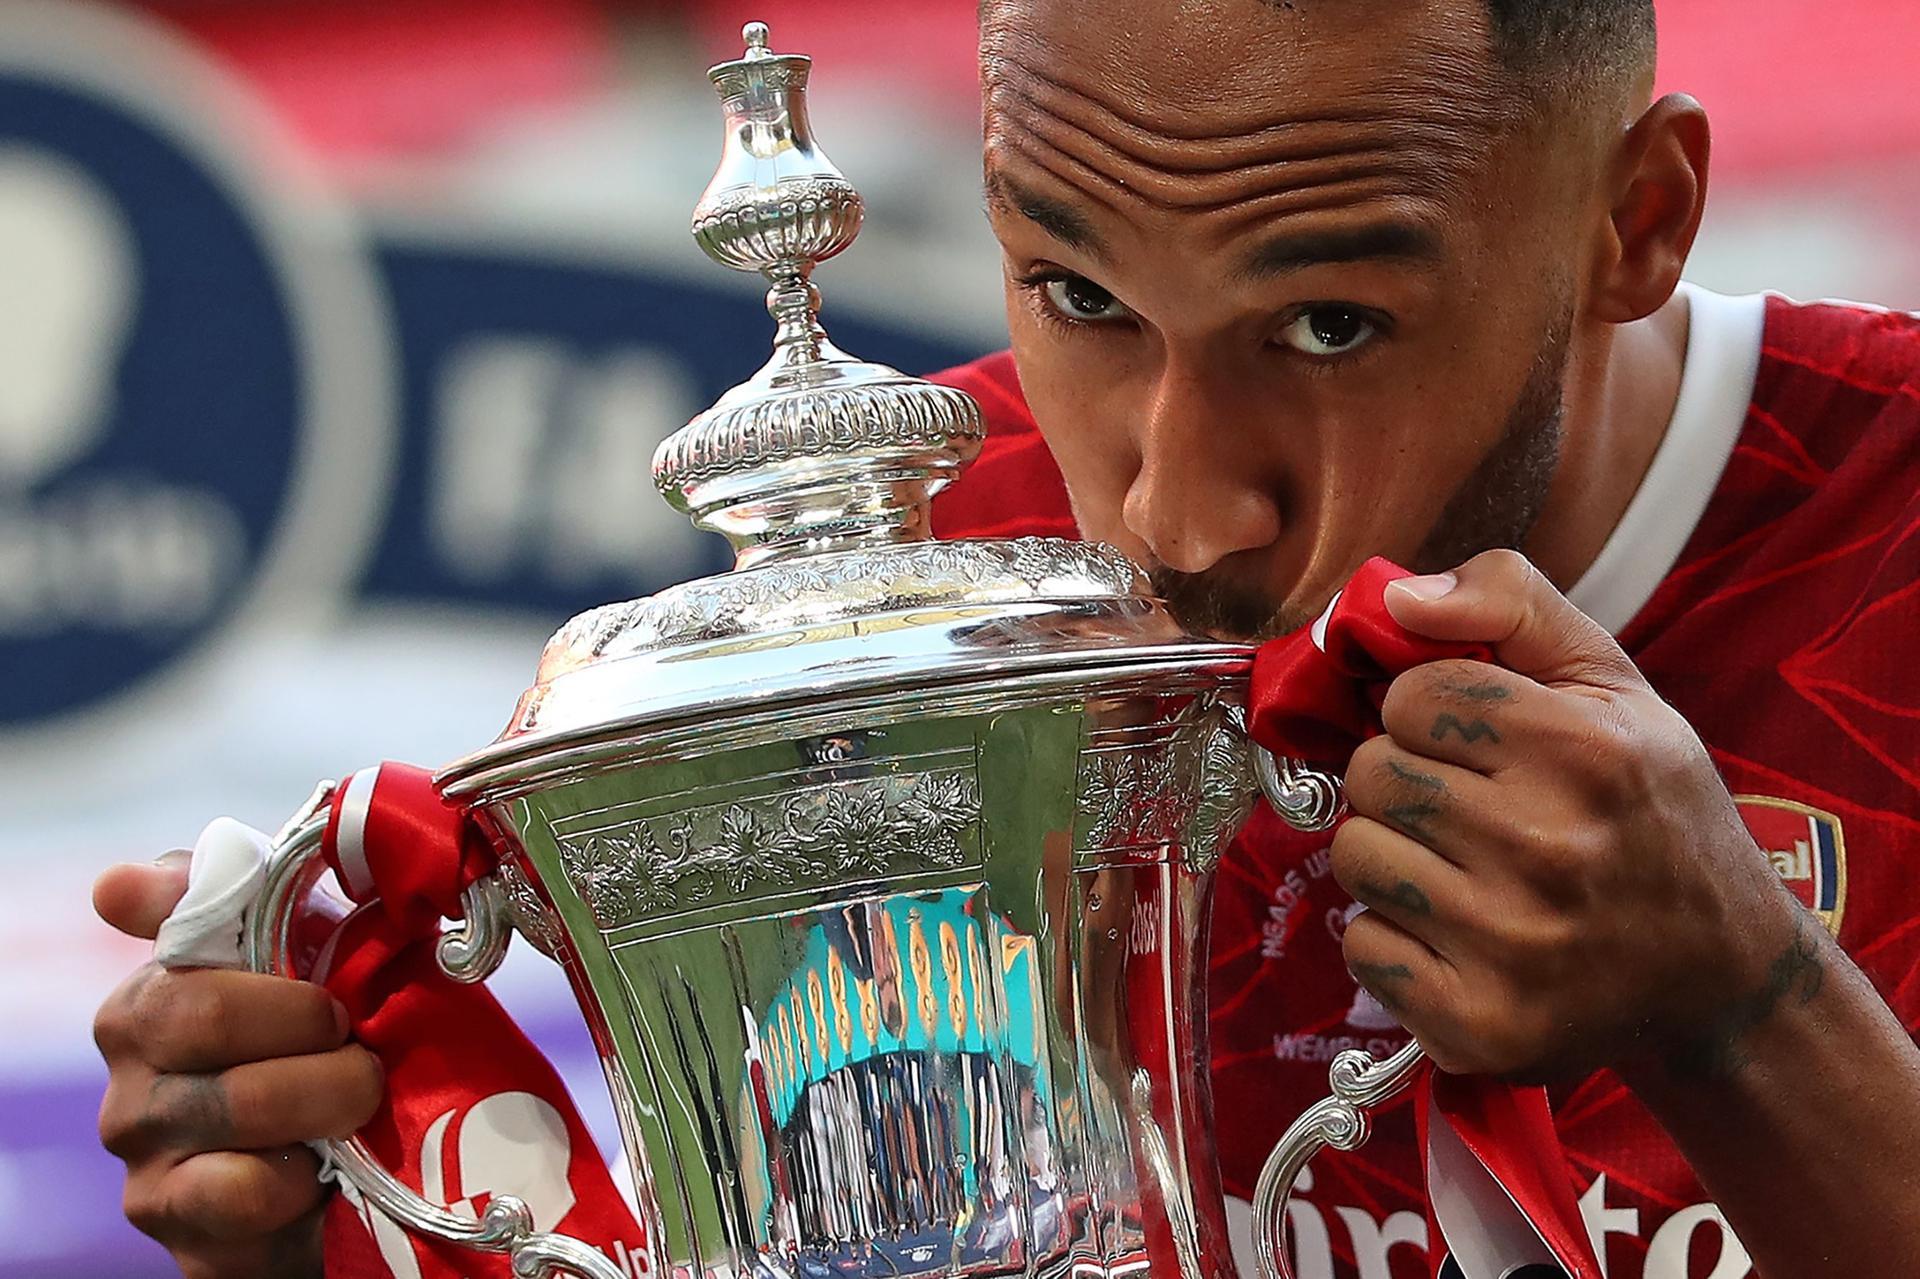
(1290, 285)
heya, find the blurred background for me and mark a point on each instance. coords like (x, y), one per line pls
(336, 337)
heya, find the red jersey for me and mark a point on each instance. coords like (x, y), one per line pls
(1787, 632)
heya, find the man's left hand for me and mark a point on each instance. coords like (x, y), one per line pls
(1556, 877)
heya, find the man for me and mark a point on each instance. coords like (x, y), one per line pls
(1296, 283)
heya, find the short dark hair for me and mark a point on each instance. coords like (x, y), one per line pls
(1579, 40)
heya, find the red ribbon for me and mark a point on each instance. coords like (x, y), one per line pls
(472, 1108)
(1316, 696)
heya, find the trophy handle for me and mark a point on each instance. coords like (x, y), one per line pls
(1306, 798)
(1310, 800)
(468, 953)
(1360, 1083)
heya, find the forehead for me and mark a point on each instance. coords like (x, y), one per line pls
(1236, 112)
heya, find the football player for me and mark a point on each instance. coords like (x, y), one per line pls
(1293, 283)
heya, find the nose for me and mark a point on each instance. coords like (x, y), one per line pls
(1202, 491)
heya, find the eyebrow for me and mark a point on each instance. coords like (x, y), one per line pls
(1298, 250)
(1056, 217)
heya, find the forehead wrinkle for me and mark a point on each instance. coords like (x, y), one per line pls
(1423, 159)
(1464, 125)
(1231, 219)
(1120, 181)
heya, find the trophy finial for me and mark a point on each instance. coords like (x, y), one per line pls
(819, 450)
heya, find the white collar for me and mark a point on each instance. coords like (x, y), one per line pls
(1716, 386)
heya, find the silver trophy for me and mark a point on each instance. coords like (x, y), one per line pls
(882, 866)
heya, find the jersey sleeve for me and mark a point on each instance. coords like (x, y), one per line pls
(1013, 489)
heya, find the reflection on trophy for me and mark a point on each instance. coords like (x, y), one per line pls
(881, 865)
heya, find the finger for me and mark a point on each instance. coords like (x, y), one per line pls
(209, 1019)
(1423, 798)
(1396, 968)
(150, 1116)
(1410, 885)
(1500, 599)
(1471, 714)
(292, 1252)
(227, 1196)
(137, 899)
(294, 1099)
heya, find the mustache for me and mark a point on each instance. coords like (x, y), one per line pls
(1217, 604)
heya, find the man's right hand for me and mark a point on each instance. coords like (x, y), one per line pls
(215, 1078)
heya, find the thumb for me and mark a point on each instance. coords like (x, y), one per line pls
(137, 899)
(1501, 600)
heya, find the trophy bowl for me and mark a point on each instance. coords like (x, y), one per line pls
(881, 866)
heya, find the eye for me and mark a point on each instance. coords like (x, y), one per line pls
(1329, 329)
(1079, 299)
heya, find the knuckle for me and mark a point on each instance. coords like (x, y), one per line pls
(1538, 945)
(1348, 856)
(1450, 1055)
(1505, 568)
(1363, 940)
(227, 1200)
(1367, 760)
(128, 1129)
(180, 1018)
(116, 1024)
(145, 1207)
(112, 1029)
(1496, 1044)
(1407, 696)
(1545, 852)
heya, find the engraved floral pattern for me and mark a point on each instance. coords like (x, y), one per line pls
(827, 834)
(528, 914)
(1227, 787)
(738, 441)
(1138, 796)
(849, 584)
(1192, 788)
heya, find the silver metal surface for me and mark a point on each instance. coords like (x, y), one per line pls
(881, 867)
(471, 951)
(1306, 798)
(918, 991)
(819, 449)
(1360, 1083)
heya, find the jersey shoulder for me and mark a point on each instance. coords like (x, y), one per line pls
(1826, 466)
(1013, 489)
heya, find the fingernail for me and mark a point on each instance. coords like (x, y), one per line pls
(342, 1022)
(174, 859)
(1427, 588)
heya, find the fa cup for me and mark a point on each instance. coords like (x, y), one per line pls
(881, 865)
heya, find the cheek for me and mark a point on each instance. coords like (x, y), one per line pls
(1388, 469)
(1085, 410)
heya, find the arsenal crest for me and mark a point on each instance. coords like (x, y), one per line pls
(1807, 850)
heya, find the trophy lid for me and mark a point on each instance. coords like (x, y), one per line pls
(819, 470)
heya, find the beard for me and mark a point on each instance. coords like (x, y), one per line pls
(1494, 508)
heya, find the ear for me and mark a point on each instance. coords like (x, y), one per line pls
(1658, 192)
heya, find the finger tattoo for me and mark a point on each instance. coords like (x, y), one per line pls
(1381, 980)
(1414, 777)
(1479, 692)
(1406, 895)
(195, 1108)
(1469, 733)
(1411, 819)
